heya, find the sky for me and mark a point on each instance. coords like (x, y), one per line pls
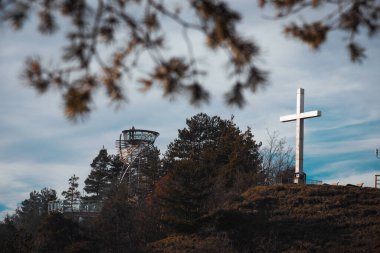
(40, 148)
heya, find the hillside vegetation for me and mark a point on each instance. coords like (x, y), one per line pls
(206, 194)
(287, 218)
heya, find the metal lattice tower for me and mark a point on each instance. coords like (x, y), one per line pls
(134, 147)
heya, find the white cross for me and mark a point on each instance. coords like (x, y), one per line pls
(299, 176)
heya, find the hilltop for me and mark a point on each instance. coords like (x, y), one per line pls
(286, 218)
(200, 197)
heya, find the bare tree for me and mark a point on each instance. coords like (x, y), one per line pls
(277, 156)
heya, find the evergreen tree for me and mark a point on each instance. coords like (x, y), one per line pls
(57, 234)
(9, 235)
(72, 195)
(104, 178)
(30, 215)
(202, 132)
(98, 182)
(115, 168)
(209, 159)
(115, 226)
(33, 209)
(46, 195)
(184, 195)
(149, 173)
(238, 160)
(138, 177)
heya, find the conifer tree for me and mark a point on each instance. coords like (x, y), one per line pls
(98, 182)
(72, 195)
(115, 167)
(29, 216)
(184, 195)
(46, 195)
(149, 172)
(115, 224)
(56, 234)
(33, 209)
(210, 159)
(238, 158)
(202, 132)
(9, 236)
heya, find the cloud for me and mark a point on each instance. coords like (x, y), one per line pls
(19, 179)
(341, 147)
(356, 178)
(39, 147)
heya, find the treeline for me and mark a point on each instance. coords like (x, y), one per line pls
(210, 162)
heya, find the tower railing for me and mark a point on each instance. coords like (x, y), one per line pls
(77, 206)
(133, 145)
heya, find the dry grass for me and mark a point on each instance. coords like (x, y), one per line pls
(287, 218)
(192, 244)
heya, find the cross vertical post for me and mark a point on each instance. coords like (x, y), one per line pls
(299, 175)
(299, 132)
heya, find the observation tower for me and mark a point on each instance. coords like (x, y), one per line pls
(134, 147)
(137, 152)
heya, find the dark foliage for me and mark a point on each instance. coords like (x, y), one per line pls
(139, 175)
(57, 234)
(150, 172)
(184, 195)
(20, 230)
(9, 235)
(210, 161)
(34, 209)
(117, 227)
(204, 198)
(98, 183)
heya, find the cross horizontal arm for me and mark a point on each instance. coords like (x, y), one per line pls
(303, 115)
(288, 118)
(311, 114)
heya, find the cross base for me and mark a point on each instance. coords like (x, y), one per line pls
(299, 178)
